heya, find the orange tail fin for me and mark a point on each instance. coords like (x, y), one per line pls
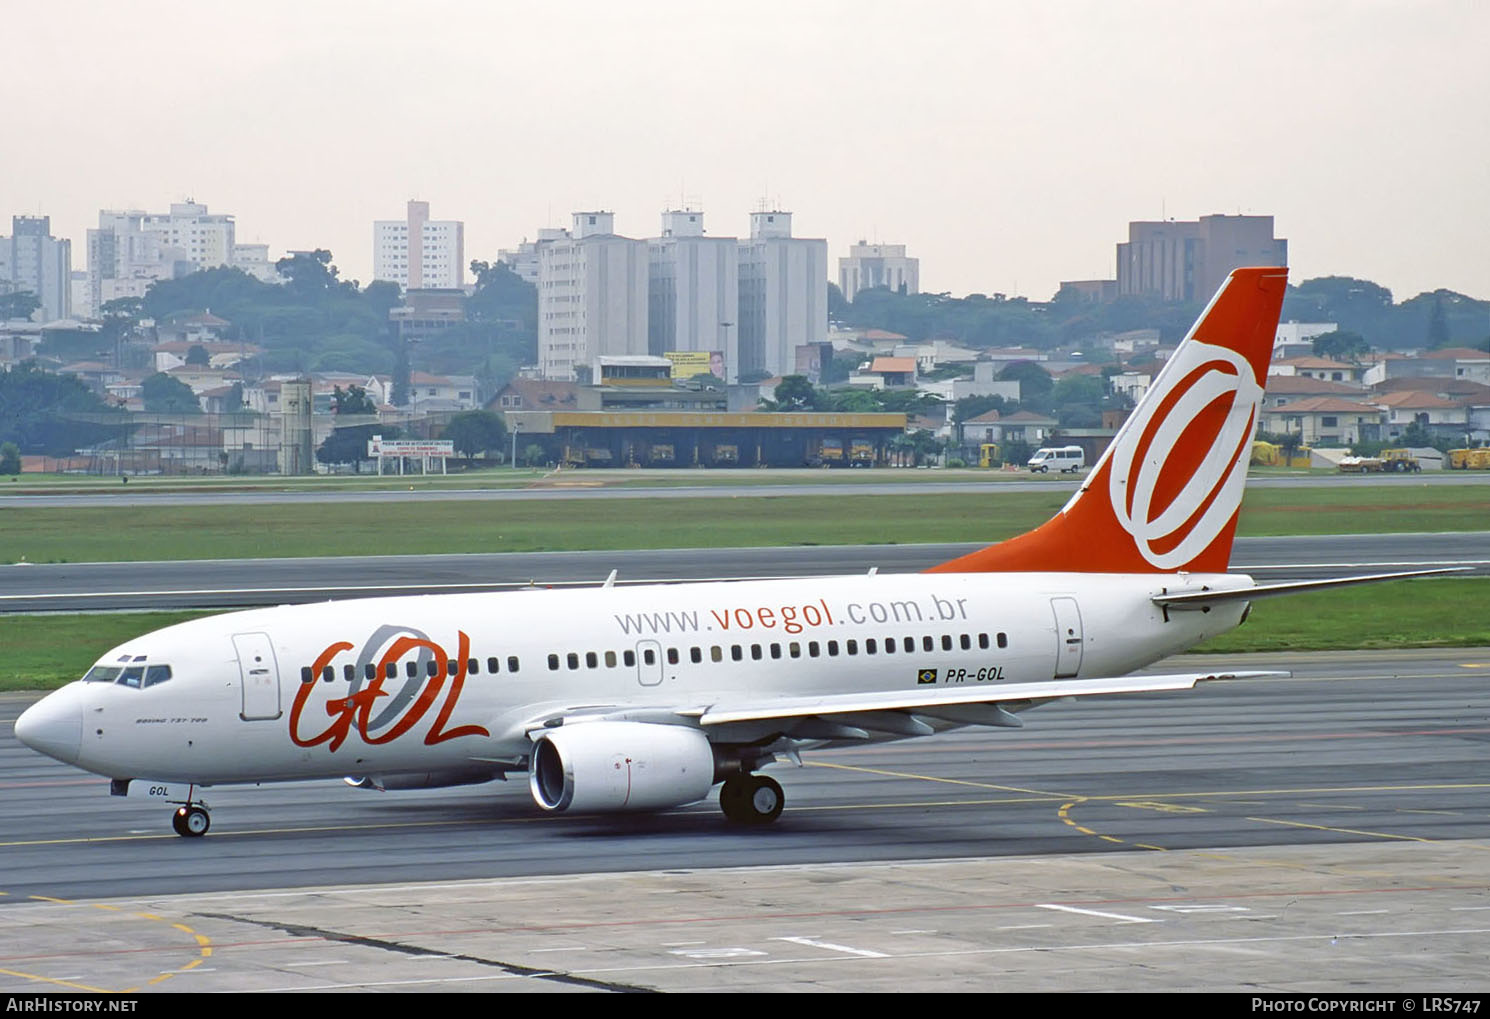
(1166, 494)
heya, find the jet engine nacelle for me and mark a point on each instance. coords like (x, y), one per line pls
(620, 766)
(423, 779)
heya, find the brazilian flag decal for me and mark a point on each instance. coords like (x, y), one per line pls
(926, 676)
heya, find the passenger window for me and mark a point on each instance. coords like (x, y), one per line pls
(572, 659)
(812, 649)
(411, 668)
(391, 670)
(716, 653)
(592, 660)
(1003, 640)
(946, 642)
(156, 674)
(910, 644)
(832, 648)
(983, 641)
(672, 656)
(628, 658)
(851, 647)
(349, 672)
(755, 652)
(369, 671)
(473, 666)
(736, 652)
(794, 649)
(452, 667)
(889, 645)
(967, 642)
(695, 655)
(432, 668)
(491, 665)
(775, 650)
(649, 655)
(512, 663)
(327, 673)
(869, 645)
(305, 675)
(928, 643)
(610, 659)
(553, 662)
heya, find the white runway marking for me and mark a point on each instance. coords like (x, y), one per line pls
(1095, 912)
(830, 946)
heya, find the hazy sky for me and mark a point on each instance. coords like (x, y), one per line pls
(1006, 144)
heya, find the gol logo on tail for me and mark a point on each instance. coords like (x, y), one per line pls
(1179, 465)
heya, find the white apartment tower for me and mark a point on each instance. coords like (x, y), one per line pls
(592, 296)
(31, 259)
(523, 259)
(694, 290)
(783, 294)
(878, 265)
(419, 252)
(204, 240)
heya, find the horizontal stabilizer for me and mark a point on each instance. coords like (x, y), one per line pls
(1205, 599)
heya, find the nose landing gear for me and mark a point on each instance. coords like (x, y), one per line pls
(191, 819)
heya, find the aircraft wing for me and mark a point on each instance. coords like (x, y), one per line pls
(932, 699)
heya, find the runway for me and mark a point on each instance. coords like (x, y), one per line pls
(626, 485)
(248, 582)
(1242, 821)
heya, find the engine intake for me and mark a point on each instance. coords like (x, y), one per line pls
(614, 766)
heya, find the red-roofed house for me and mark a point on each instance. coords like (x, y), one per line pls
(1325, 421)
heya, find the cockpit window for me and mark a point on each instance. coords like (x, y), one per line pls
(156, 674)
(102, 674)
(132, 677)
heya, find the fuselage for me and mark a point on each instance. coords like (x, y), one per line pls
(440, 683)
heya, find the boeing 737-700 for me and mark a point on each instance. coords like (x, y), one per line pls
(645, 698)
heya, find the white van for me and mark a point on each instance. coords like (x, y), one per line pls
(1062, 458)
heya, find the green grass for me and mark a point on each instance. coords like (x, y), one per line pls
(45, 651)
(1438, 612)
(133, 533)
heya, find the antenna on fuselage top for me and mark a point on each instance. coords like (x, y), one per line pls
(610, 581)
(873, 570)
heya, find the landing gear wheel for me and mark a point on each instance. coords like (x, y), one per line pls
(751, 799)
(191, 822)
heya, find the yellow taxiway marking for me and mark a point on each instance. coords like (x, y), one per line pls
(63, 983)
(203, 945)
(933, 778)
(1344, 831)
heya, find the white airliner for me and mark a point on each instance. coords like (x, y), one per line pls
(644, 698)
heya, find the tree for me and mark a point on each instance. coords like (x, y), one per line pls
(20, 304)
(10, 458)
(1342, 345)
(795, 393)
(164, 394)
(1438, 325)
(354, 401)
(51, 415)
(197, 356)
(349, 445)
(476, 431)
(1034, 381)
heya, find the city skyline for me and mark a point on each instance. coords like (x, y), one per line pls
(1007, 147)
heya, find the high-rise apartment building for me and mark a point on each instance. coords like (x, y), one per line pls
(783, 295)
(592, 296)
(1188, 261)
(694, 290)
(419, 252)
(31, 259)
(523, 259)
(878, 265)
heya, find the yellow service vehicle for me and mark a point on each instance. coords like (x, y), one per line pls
(988, 453)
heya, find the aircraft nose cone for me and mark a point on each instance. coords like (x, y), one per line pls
(54, 724)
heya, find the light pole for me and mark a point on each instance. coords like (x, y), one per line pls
(726, 327)
(515, 429)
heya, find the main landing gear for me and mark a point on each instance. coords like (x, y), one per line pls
(751, 799)
(191, 819)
